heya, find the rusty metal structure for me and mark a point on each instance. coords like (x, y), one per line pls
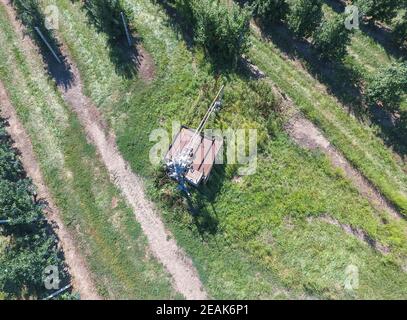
(191, 156)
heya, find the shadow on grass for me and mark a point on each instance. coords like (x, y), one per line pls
(60, 72)
(342, 81)
(31, 16)
(393, 130)
(176, 22)
(379, 33)
(201, 205)
(31, 234)
(107, 19)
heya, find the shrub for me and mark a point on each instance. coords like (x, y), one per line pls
(221, 30)
(105, 15)
(269, 11)
(400, 30)
(388, 86)
(382, 10)
(31, 245)
(332, 38)
(304, 16)
(31, 16)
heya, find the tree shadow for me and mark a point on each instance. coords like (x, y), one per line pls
(33, 19)
(340, 80)
(106, 17)
(393, 129)
(177, 23)
(381, 34)
(201, 204)
(60, 72)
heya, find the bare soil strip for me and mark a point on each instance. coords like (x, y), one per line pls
(81, 279)
(161, 242)
(309, 136)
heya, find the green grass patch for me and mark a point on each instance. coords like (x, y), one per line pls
(107, 233)
(239, 241)
(357, 141)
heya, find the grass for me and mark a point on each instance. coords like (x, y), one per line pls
(370, 48)
(251, 239)
(358, 141)
(327, 95)
(368, 56)
(108, 236)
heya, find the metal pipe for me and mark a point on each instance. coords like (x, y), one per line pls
(126, 29)
(198, 131)
(48, 45)
(58, 292)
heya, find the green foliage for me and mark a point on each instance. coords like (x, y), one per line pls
(79, 184)
(222, 30)
(186, 8)
(304, 16)
(257, 223)
(33, 246)
(400, 30)
(105, 15)
(10, 166)
(332, 38)
(30, 15)
(16, 201)
(382, 10)
(269, 11)
(16, 191)
(388, 86)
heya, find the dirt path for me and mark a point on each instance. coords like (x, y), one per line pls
(81, 279)
(358, 233)
(306, 134)
(309, 136)
(161, 242)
